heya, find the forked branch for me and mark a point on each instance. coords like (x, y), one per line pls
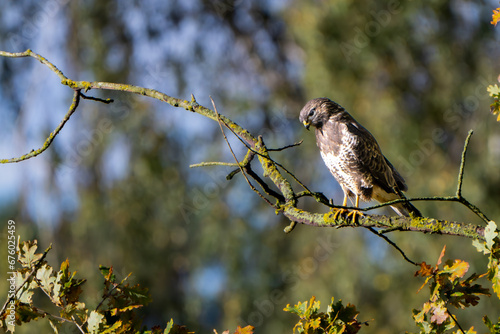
(285, 198)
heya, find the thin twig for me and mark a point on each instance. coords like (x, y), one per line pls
(461, 200)
(77, 325)
(115, 286)
(390, 229)
(246, 162)
(93, 98)
(73, 321)
(455, 319)
(249, 171)
(264, 185)
(285, 147)
(43, 313)
(266, 157)
(234, 156)
(462, 165)
(318, 196)
(233, 173)
(390, 242)
(106, 296)
(413, 199)
(53, 134)
(205, 164)
(474, 209)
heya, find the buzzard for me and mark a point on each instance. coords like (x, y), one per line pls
(354, 158)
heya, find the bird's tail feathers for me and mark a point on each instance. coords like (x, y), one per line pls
(405, 209)
(402, 209)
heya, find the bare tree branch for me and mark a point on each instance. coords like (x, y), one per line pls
(286, 198)
(53, 134)
(234, 156)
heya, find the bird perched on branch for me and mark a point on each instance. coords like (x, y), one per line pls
(354, 158)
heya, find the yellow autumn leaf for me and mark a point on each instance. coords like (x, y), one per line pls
(496, 16)
(458, 269)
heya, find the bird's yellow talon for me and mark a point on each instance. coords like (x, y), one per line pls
(355, 214)
(339, 212)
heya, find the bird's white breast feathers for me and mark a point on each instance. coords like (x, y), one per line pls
(337, 167)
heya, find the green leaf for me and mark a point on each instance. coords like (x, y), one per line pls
(137, 294)
(169, 326)
(55, 325)
(116, 311)
(94, 321)
(494, 276)
(26, 313)
(107, 272)
(480, 246)
(48, 283)
(490, 234)
(113, 328)
(316, 323)
(494, 328)
(418, 316)
(337, 319)
(71, 288)
(27, 253)
(494, 90)
(299, 309)
(26, 292)
(73, 309)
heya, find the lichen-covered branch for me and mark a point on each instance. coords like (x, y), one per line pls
(286, 199)
(391, 223)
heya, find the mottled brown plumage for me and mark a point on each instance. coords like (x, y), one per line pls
(353, 156)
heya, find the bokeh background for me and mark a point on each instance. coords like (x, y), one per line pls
(115, 187)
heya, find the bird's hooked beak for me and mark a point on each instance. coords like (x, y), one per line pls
(307, 124)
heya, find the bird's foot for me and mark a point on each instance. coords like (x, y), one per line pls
(354, 216)
(339, 212)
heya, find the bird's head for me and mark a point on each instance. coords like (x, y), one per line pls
(317, 112)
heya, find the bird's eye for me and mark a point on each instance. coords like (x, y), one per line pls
(312, 112)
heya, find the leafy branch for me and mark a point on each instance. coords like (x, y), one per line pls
(35, 262)
(337, 319)
(447, 289)
(115, 313)
(117, 310)
(285, 199)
